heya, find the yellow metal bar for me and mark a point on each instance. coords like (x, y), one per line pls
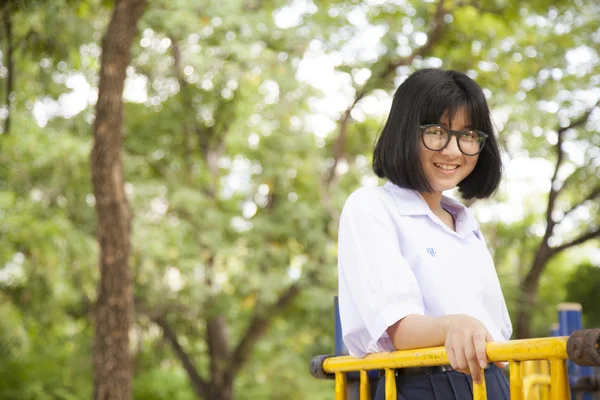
(559, 386)
(479, 389)
(516, 350)
(390, 384)
(534, 381)
(365, 389)
(340, 386)
(516, 380)
(545, 389)
(529, 369)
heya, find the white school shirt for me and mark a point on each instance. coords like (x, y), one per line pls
(395, 258)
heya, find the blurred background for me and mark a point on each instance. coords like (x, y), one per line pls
(247, 123)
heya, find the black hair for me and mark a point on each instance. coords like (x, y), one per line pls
(423, 98)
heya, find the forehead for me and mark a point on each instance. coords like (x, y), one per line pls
(458, 118)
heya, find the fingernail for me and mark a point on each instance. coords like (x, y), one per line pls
(482, 364)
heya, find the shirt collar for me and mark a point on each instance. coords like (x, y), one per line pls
(410, 202)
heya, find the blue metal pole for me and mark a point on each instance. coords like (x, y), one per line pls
(554, 330)
(570, 319)
(340, 348)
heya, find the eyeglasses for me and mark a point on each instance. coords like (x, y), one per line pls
(436, 138)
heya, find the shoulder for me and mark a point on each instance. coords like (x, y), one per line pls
(367, 200)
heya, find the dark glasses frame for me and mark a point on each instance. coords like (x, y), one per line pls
(483, 136)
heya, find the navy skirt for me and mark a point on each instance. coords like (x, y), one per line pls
(451, 385)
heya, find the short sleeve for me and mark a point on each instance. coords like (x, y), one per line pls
(377, 287)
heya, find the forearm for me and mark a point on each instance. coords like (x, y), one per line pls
(418, 331)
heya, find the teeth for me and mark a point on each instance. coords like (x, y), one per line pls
(446, 167)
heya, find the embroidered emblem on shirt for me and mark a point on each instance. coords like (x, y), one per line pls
(431, 252)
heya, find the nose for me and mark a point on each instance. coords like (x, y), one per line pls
(451, 148)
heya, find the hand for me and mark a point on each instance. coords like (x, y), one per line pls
(465, 344)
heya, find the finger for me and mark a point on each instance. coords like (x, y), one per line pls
(457, 360)
(471, 355)
(462, 364)
(480, 354)
(451, 358)
(500, 364)
(475, 370)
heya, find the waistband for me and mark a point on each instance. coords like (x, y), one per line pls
(424, 370)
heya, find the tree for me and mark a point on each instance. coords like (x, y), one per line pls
(114, 304)
(582, 287)
(236, 165)
(545, 251)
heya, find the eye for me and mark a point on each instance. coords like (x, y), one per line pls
(470, 135)
(435, 131)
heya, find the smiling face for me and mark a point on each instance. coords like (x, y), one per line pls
(446, 168)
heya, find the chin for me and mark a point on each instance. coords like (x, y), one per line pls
(440, 189)
(444, 186)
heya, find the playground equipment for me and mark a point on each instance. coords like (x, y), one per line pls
(552, 368)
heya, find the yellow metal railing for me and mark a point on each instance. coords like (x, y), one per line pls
(536, 380)
(583, 349)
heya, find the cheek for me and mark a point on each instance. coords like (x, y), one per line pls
(425, 156)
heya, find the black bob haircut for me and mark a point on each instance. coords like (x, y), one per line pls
(422, 99)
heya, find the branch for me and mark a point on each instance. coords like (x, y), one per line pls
(211, 151)
(259, 324)
(553, 194)
(591, 196)
(544, 252)
(554, 191)
(340, 142)
(218, 347)
(579, 121)
(478, 6)
(579, 240)
(183, 88)
(9, 67)
(217, 337)
(177, 62)
(198, 383)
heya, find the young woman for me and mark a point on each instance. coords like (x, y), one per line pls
(414, 269)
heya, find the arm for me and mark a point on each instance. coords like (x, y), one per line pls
(377, 287)
(463, 336)
(418, 331)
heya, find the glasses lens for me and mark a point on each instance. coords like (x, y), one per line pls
(470, 142)
(435, 137)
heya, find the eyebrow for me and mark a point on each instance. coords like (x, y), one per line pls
(466, 127)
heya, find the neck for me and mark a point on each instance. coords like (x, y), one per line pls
(433, 200)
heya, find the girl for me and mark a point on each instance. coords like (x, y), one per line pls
(414, 269)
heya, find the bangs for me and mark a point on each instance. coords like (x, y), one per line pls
(449, 99)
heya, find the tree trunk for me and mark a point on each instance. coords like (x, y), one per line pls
(114, 306)
(545, 252)
(529, 288)
(222, 391)
(526, 305)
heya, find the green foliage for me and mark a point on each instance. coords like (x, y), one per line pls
(224, 170)
(163, 383)
(582, 287)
